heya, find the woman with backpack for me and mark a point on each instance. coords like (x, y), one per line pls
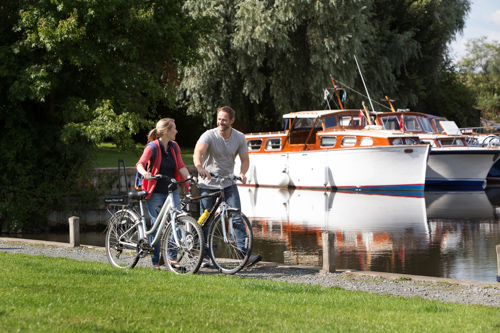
(162, 155)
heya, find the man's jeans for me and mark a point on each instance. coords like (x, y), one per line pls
(156, 200)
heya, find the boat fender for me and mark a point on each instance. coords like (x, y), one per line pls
(284, 179)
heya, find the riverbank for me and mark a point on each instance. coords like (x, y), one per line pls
(431, 288)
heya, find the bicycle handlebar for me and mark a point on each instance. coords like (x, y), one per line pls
(173, 180)
(229, 177)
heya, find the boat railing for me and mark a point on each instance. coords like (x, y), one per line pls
(482, 136)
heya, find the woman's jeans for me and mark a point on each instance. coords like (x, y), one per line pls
(232, 198)
(154, 206)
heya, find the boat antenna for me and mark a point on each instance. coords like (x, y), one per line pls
(361, 74)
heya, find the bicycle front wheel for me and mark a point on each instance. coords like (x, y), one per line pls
(183, 249)
(121, 239)
(230, 242)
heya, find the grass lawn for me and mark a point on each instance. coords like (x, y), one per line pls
(108, 156)
(45, 294)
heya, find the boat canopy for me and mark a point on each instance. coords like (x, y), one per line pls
(315, 114)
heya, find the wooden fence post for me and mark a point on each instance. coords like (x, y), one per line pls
(74, 231)
(328, 252)
(498, 262)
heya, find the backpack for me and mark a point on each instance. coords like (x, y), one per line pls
(138, 176)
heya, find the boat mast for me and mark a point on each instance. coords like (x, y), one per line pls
(337, 92)
(362, 79)
(389, 101)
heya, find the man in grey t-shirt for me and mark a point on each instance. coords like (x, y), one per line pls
(215, 152)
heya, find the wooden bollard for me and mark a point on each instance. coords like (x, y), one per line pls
(74, 231)
(498, 262)
(328, 252)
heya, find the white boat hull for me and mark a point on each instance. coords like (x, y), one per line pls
(371, 168)
(459, 166)
(336, 211)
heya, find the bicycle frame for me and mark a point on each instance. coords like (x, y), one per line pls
(162, 219)
(224, 208)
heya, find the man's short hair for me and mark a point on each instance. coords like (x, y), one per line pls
(229, 111)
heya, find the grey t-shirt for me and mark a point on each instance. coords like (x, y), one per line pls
(221, 154)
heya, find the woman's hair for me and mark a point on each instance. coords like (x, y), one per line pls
(161, 126)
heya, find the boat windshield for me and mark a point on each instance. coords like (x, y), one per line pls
(391, 122)
(437, 124)
(330, 121)
(426, 124)
(411, 123)
(306, 124)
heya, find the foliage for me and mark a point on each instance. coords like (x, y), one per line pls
(274, 56)
(63, 295)
(452, 99)
(481, 67)
(74, 73)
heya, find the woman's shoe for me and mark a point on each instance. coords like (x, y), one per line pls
(156, 267)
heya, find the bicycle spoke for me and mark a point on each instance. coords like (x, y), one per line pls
(230, 243)
(183, 254)
(121, 240)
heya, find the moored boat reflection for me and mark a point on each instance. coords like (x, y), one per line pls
(398, 232)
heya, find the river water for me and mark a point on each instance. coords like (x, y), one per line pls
(449, 234)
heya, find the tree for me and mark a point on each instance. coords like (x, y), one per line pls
(272, 57)
(481, 68)
(74, 73)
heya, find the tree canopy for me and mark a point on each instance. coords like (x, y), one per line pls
(72, 74)
(481, 68)
(271, 57)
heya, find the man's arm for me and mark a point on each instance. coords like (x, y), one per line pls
(199, 150)
(245, 164)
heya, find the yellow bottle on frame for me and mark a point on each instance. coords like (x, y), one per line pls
(202, 217)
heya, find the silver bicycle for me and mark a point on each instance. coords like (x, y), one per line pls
(182, 243)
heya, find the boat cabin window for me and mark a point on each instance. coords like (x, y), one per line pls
(451, 142)
(302, 130)
(410, 141)
(391, 123)
(426, 124)
(254, 144)
(273, 144)
(348, 141)
(350, 120)
(411, 123)
(328, 141)
(330, 121)
(366, 142)
(302, 124)
(437, 125)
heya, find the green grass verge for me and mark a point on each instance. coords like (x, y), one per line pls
(108, 155)
(45, 294)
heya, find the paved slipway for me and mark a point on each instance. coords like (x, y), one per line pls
(431, 288)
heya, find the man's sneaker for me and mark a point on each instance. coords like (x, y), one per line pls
(254, 258)
(206, 262)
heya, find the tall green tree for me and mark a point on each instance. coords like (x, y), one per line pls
(72, 74)
(271, 57)
(481, 68)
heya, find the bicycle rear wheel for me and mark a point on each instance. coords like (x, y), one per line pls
(230, 242)
(121, 239)
(184, 254)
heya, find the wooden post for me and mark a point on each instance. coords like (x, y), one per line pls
(498, 262)
(328, 252)
(74, 231)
